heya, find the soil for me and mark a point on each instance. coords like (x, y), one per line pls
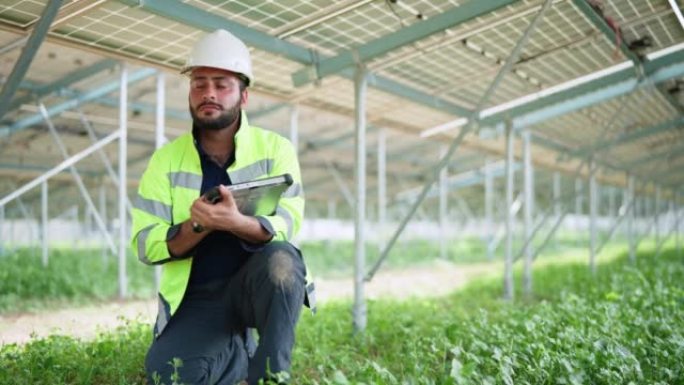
(86, 322)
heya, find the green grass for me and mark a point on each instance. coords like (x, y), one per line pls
(625, 325)
(71, 277)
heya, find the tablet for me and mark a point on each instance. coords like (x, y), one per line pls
(256, 197)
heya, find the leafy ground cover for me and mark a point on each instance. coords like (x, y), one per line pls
(624, 325)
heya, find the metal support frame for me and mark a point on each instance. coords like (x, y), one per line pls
(294, 127)
(77, 178)
(103, 214)
(656, 213)
(207, 21)
(23, 63)
(556, 193)
(489, 207)
(123, 156)
(630, 220)
(674, 229)
(593, 211)
(579, 202)
(103, 157)
(382, 187)
(443, 207)
(508, 257)
(625, 211)
(44, 233)
(73, 103)
(3, 240)
(341, 184)
(159, 140)
(360, 88)
(456, 142)
(402, 37)
(528, 192)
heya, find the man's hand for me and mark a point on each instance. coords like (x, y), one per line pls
(225, 216)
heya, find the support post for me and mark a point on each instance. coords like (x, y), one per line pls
(44, 222)
(77, 178)
(611, 202)
(443, 190)
(123, 138)
(103, 214)
(593, 208)
(630, 220)
(360, 86)
(656, 212)
(489, 208)
(159, 140)
(294, 127)
(508, 266)
(528, 186)
(382, 188)
(578, 206)
(3, 240)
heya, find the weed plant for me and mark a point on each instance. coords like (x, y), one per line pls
(623, 325)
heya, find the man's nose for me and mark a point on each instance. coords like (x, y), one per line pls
(209, 93)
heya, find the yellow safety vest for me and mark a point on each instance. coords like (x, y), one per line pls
(172, 182)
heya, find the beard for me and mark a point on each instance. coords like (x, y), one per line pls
(225, 119)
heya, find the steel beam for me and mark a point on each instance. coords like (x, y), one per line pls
(382, 187)
(64, 83)
(456, 142)
(360, 87)
(24, 62)
(77, 178)
(489, 206)
(44, 234)
(629, 137)
(400, 38)
(443, 207)
(123, 195)
(593, 212)
(207, 21)
(73, 103)
(60, 167)
(528, 191)
(579, 93)
(630, 220)
(508, 256)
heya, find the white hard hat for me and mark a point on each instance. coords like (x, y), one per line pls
(221, 49)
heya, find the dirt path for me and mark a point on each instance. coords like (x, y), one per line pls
(85, 322)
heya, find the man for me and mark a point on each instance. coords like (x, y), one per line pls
(222, 271)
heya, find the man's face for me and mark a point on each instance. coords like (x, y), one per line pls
(215, 98)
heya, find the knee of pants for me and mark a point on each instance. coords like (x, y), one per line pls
(282, 264)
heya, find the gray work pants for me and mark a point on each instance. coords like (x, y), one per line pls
(208, 331)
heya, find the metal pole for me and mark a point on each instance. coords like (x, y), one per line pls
(673, 229)
(630, 221)
(103, 213)
(74, 173)
(578, 206)
(593, 208)
(59, 168)
(103, 157)
(508, 267)
(512, 59)
(443, 180)
(382, 187)
(489, 205)
(44, 221)
(556, 194)
(656, 212)
(3, 240)
(123, 129)
(159, 140)
(294, 126)
(360, 85)
(611, 202)
(528, 186)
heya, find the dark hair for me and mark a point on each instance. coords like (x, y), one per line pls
(243, 82)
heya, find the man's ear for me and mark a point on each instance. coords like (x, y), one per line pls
(245, 96)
